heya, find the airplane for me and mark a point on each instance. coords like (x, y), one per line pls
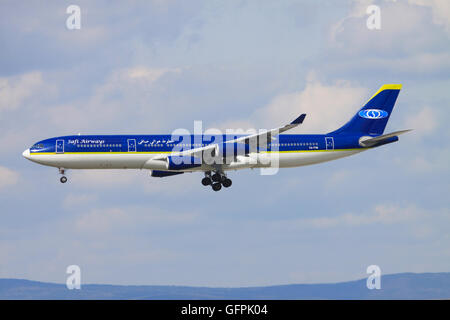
(215, 155)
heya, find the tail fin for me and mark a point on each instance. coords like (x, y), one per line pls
(373, 117)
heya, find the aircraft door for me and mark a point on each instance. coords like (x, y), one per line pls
(329, 143)
(131, 145)
(59, 146)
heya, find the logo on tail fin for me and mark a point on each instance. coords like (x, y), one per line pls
(373, 114)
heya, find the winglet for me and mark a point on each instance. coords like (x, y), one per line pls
(300, 119)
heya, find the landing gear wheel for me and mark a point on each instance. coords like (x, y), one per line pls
(206, 181)
(216, 177)
(63, 179)
(216, 186)
(226, 183)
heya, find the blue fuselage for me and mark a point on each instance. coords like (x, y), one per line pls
(166, 143)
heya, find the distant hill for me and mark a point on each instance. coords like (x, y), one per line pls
(395, 286)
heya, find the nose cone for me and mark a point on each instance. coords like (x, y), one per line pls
(26, 154)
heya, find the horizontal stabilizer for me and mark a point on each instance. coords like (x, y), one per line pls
(369, 142)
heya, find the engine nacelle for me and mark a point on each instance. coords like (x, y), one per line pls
(183, 162)
(366, 141)
(162, 174)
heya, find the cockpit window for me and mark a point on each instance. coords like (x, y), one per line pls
(38, 146)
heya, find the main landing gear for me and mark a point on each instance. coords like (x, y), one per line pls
(216, 181)
(63, 178)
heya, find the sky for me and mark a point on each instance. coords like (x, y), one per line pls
(149, 67)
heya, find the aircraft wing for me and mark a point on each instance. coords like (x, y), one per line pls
(267, 135)
(253, 139)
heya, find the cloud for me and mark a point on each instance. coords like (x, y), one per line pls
(419, 164)
(113, 179)
(172, 64)
(440, 10)
(146, 74)
(8, 177)
(101, 221)
(357, 10)
(380, 214)
(352, 35)
(108, 36)
(104, 178)
(327, 107)
(432, 162)
(407, 43)
(125, 219)
(74, 200)
(423, 122)
(129, 91)
(400, 67)
(170, 186)
(338, 178)
(17, 90)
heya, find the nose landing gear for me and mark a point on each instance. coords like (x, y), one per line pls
(63, 178)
